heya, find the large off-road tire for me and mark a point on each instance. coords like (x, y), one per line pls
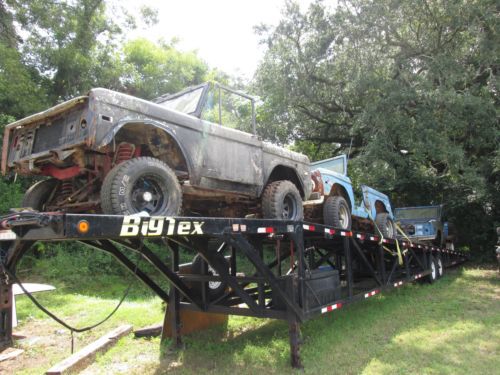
(281, 200)
(142, 184)
(39, 193)
(336, 213)
(385, 225)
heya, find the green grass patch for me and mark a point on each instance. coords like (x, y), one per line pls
(450, 327)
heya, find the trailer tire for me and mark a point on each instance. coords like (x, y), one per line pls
(385, 225)
(215, 288)
(439, 267)
(141, 184)
(37, 195)
(281, 200)
(336, 213)
(432, 277)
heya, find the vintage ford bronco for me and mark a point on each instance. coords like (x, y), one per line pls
(339, 209)
(117, 154)
(426, 224)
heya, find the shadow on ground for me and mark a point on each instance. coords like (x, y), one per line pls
(447, 327)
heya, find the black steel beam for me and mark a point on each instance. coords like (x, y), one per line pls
(160, 265)
(348, 266)
(127, 263)
(366, 262)
(220, 265)
(242, 244)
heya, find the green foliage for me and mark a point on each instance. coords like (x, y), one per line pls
(388, 76)
(11, 195)
(19, 93)
(154, 69)
(65, 42)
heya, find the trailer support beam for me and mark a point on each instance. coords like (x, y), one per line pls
(295, 341)
(5, 311)
(127, 263)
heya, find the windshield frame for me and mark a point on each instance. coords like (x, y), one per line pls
(321, 163)
(402, 210)
(199, 105)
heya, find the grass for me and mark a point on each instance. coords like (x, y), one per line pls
(450, 327)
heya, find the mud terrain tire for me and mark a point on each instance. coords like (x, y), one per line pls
(385, 225)
(336, 213)
(142, 184)
(281, 200)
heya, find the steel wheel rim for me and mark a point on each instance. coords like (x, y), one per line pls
(149, 194)
(213, 284)
(433, 271)
(440, 266)
(390, 229)
(289, 207)
(343, 217)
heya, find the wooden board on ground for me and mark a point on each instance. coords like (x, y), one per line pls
(149, 331)
(10, 353)
(85, 356)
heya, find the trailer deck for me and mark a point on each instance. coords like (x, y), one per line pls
(292, 270)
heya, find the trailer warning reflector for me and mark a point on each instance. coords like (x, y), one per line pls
(309, 227)
(265, 230)
(329, 231)
(372, 293)
(399, 283)
(346, 234)
(331, 308)
(7, 235)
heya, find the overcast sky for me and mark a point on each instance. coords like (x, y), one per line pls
(220, 30)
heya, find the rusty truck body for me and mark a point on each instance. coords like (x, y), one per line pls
(115, 153)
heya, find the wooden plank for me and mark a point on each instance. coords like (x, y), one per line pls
(86, 356)
(149, 331)
(10, 354)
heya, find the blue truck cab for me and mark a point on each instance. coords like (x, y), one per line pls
(426, 224)
(340, 208)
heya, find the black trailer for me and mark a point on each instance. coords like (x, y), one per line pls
(298, 270)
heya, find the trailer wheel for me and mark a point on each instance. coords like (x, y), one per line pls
(281, 200)
(385, 225)
(215, 288)
(336, 213)
(434, 270)
(38, 194)
(142, 184)
(439, 266)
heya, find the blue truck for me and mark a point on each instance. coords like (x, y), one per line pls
(340, 209)
(426, 224)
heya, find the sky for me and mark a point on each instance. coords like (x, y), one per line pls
(222, 31)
